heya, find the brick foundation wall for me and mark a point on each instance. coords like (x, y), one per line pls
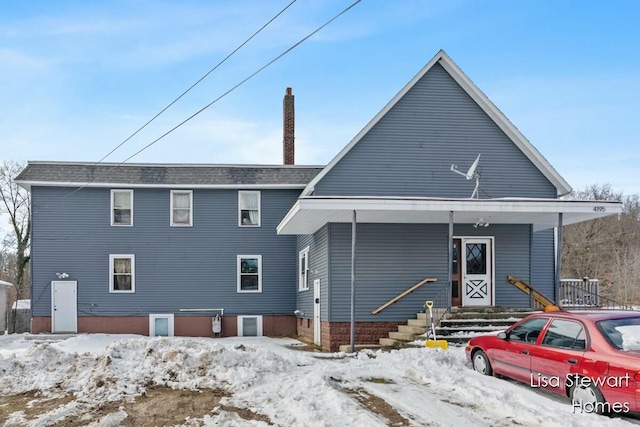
(335, 334)
(184, 326)
(304, 329)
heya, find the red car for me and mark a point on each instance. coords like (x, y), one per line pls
(592, 357)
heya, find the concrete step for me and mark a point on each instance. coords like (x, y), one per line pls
(470, 329)
(417, 322)
(388, 342)
(402, 336)
(415, 330)
(462, 323)
(422, 316)
(489, 309)
(486, 315)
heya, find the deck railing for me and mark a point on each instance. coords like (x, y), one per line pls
(585, 294)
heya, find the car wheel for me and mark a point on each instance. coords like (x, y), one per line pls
(588, 396)
(481, 363)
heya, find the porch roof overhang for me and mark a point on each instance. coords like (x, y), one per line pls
(311, 213)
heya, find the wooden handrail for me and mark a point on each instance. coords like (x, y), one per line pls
(402, 295)
(538, 296)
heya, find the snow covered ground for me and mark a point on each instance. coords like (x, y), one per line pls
(272, 379)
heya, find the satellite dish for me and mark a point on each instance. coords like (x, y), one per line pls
(472, 170)
(471, 173)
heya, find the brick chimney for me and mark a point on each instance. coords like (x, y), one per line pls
(288, 144)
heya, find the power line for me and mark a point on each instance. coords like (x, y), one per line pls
(215, 100)
(241, 83)
(197, 82)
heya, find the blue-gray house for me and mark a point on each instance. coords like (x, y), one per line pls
(273, 250)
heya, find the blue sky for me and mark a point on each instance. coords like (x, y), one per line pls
(79, 77)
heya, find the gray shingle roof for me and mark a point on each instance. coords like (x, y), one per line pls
(64, 173)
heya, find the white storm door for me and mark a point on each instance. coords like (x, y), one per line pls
(64, 306)
(317, 328)
(477, 271)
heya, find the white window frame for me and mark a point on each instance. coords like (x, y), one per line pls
(152, 323)
(259, 324)
(240, 193)
(113, 257)
(173, 224)
(303, 276)
(112, 214)
(239, 260)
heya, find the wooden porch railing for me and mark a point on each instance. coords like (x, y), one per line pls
(538, 297)
(403, 294)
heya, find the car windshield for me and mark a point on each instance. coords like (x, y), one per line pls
(623, 334)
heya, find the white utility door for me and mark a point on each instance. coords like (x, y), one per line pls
(317, 328)
(477, 271)
(64, 306)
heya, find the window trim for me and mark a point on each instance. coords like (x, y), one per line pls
(112, 258)
(112, 213)
(303, 284)
(259, 325)
(239, 274)
(240, 224)
(152, 324)
(173, 224)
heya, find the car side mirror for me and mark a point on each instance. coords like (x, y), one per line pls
(502, 335)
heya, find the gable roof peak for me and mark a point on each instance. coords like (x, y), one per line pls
(483, 102)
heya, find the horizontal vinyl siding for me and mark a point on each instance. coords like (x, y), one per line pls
(176, 267)
(390, 258)
(543, 265)
(318, 262)
(409, 152)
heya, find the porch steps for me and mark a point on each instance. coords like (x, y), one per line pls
(458, 326)
(462, 324)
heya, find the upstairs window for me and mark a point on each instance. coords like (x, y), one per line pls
(249, 208)
(181, 208)
(122, 207)
(303, 265)
(249, 273)
(122, 274)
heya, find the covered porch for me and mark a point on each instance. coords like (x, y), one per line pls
(370, 238)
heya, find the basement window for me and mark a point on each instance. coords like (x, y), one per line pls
(249, 326)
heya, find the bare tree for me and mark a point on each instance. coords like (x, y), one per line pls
(606, 248)
(15, 202)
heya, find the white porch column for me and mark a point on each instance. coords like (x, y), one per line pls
(558, 259)
(353, 282)
(450, 259)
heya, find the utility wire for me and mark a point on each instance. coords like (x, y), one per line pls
(197, 82)
(241, 82)
(215, 100)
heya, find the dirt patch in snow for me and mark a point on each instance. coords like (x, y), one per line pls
(158, 406)
(378, 406)
(31, 403)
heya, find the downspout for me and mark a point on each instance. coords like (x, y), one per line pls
(558, 258)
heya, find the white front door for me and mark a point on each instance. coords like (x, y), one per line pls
(64, 306)
(317, 328)
(477, 271)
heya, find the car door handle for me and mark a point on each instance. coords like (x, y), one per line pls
(572, 361)
(525, 352)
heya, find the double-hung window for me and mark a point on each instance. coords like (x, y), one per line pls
(249, 208)
(122, 207)
(181, 208)
(249, 273)
(303, 265)
(122, 274)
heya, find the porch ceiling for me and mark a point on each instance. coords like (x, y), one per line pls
(309, 214)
